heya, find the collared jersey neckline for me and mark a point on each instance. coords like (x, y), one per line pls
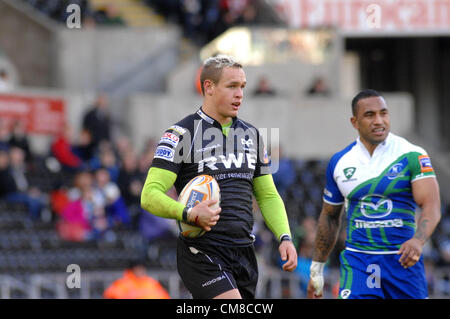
(378, 151)
(213, 121)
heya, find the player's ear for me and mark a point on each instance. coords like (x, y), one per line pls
(354, 122)
(208, 86)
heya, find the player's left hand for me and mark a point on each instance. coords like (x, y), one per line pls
(288, 254)
(410, 251)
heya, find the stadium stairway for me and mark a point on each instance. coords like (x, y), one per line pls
(134, 12)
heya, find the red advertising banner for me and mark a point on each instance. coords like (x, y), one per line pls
(40, 115)
(368, 16)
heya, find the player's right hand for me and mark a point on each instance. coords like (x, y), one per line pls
(204, 215)
(315, 284)
(311, 291)
(410, 252)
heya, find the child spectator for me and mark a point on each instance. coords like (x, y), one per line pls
(115, 207)
(84, 216)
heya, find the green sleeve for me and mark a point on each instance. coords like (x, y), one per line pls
(154, 198)
(271, 205)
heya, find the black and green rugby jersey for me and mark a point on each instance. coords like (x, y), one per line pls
(197, 145)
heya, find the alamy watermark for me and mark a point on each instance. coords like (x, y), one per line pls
(374, 279)
(73, 280)
(73, 20)
(373, 19)
(243, 148)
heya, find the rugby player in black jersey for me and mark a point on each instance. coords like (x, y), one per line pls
(214, 141)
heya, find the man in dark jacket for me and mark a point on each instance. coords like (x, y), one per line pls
(97, 120)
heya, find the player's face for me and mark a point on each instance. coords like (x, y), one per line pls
(228, 93)
(372, 120)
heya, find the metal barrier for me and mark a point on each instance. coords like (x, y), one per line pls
(273, 284)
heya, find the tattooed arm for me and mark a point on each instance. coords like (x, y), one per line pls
(426, 195)
(327, 231)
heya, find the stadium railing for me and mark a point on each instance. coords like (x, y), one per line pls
(274, 284)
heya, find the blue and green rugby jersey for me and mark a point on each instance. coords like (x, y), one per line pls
(377, 192)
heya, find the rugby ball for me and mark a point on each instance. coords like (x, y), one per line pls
(199, 189)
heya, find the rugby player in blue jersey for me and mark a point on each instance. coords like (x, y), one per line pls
(214, 141)
(379, 180)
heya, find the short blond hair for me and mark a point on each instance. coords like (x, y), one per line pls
(213, 66)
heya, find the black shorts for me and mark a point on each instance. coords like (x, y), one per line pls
(210, 271)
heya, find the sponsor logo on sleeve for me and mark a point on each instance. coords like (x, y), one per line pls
(165, 153)
(425, 164)
(178, 129)
(327, 193)
(169, 138)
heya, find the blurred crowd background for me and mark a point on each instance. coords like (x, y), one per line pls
(85, 94)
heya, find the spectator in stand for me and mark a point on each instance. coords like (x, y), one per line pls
(146, 157)
(61, 149)
(444, 248)
(150, 226)
(170, 9)
(443, 238)
(319, 88)
(51, 8)
(204, 20)
(84, 216)
(19, 138)
(264, 88)
(58, 199)
(191, 19)
(7, 183)
(85, 148)
(123, 145)
(115, 207)
(129, 181)
(109, 15)
(248, 16)
(285, 177)
(5, 82)
(18, 168)
(106, 157)
(97, 121)
(136, 284)
(153, 228)
(4, 134)
(232, 11)
(210, 14)
(306, 236)
(14, 186)
(20, 171)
